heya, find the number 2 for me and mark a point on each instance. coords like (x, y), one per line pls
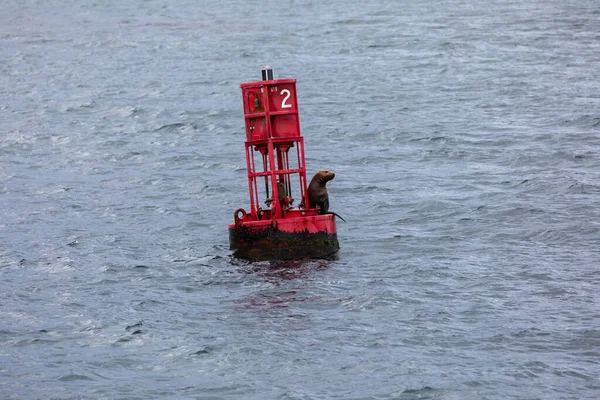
(287, 96)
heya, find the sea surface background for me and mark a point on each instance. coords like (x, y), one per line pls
(465, 137)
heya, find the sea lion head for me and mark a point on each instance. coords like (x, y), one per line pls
(324, 176)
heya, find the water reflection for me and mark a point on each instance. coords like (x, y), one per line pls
(285, 270)
(282, 285)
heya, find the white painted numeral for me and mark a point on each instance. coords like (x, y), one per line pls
(287, 96)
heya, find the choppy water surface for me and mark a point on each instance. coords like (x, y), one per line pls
(465, 137)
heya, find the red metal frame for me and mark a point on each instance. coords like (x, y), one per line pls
(272, 129)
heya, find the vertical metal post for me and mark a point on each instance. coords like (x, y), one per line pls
(265, 168)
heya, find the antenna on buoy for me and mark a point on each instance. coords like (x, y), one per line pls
(267, 73)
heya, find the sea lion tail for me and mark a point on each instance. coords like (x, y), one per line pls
(337, 215)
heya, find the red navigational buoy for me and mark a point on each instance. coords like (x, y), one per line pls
(287, 227)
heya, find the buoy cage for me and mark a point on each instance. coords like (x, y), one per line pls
(280, 231)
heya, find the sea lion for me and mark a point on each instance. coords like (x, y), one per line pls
(317, 192)
(282, 194)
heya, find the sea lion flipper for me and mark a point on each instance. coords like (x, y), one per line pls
(337, 215)
(325, 205)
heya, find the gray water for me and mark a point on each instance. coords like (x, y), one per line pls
(465, 137)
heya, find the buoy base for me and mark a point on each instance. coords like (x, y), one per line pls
(285, 239)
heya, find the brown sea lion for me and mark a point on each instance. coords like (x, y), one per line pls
(317, 192)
